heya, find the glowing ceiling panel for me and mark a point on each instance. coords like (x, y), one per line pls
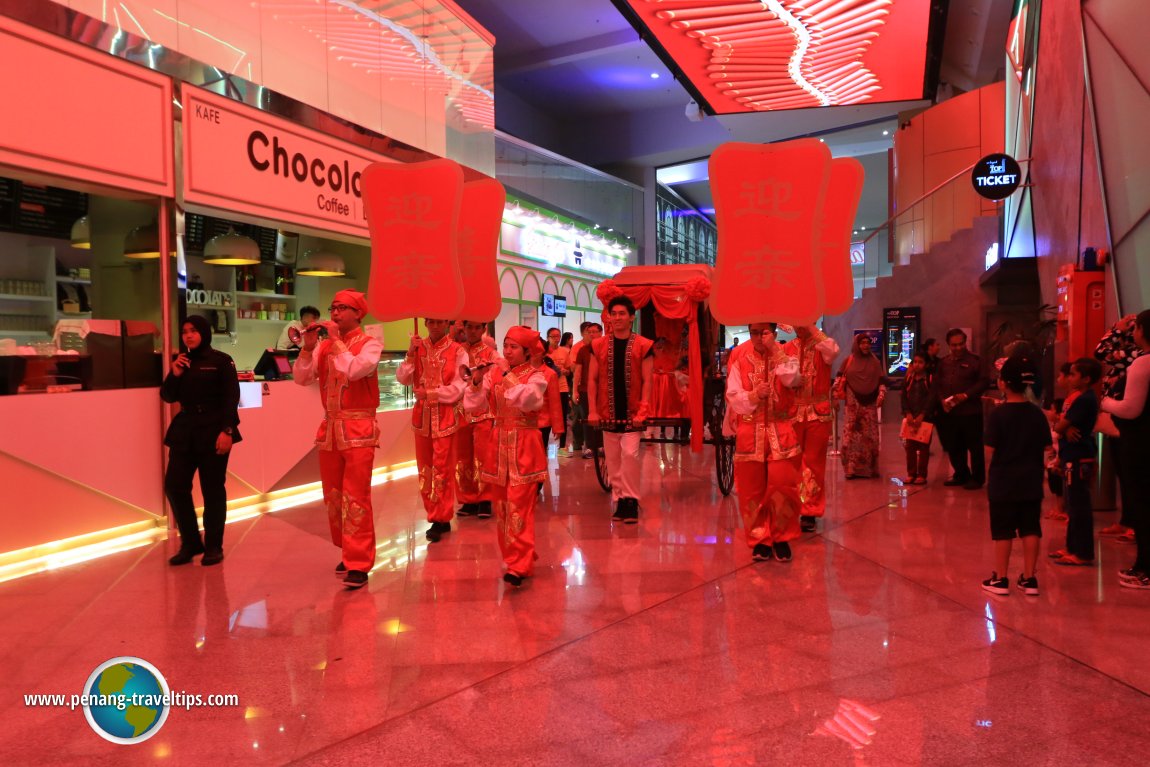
(764, 55)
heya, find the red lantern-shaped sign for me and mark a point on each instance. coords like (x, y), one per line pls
(413, 214)
(838, 218)
(767, 199)
(477, 246)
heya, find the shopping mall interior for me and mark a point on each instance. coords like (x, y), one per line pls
(215, 160)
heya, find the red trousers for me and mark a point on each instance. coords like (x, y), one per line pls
(813, 437)
(469, 443)
(514, 507)
(435, 458)
(769, 499)
(346, 478)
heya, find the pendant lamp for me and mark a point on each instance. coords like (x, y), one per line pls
(231, 249)
(320, 263)
(82, 233)
(143, 242)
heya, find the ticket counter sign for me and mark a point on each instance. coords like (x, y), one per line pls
(240, 160)
(996, 176)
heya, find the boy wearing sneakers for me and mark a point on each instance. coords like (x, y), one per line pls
(1076, 455)
(1018, 435)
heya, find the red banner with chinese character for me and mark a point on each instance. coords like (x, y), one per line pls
(838, 219)
(413, 214)
(478, 245)
(767, 200)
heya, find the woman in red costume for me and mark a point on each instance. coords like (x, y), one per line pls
(515, 462)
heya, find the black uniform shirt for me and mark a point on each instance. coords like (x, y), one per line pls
(209, 397)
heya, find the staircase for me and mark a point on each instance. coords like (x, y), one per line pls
(943, 282)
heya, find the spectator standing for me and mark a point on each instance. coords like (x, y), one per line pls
(1132, 417)
(1018, 434)
(959, 384)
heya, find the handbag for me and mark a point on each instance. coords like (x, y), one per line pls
(920, 433)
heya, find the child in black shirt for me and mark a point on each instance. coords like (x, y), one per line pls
(1076, 455)
(1018, 433)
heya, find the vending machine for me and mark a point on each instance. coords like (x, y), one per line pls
(901, 327)
(1081, 310)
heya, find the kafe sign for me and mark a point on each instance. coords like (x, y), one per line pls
(996, 176)
(239, 159)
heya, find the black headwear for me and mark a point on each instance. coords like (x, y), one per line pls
(205, 330)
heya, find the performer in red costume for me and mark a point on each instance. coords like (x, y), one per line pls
(768, 460)
(618, 392)
(346, 364)
(431, 367)
(475, 433)
(814, 351)
(514, 462)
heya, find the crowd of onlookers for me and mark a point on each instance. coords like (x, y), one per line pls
(1031, 447)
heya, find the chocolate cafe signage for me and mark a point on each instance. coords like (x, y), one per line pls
(996, 176)
(240, 159)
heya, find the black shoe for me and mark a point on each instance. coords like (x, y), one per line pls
(761, 553)
(184, 556)
(630, 512)
(213, 557)
(996, 585)
(483, 510)
(467, 510)
(783, 551)
(513, 579)
(807, 524)
(620, 510)
(356, 579)
(973, 484)
(955, 482)
(436, 531)
(1029, 586)
(340, 570)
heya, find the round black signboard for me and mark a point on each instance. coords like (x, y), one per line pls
(996, 176)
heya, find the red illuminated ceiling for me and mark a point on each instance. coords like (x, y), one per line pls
(762, 55)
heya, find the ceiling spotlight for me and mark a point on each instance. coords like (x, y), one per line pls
(886, 133)
(654, 75)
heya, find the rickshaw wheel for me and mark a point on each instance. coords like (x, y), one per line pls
(725, 464)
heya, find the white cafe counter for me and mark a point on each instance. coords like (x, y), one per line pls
(85, 466)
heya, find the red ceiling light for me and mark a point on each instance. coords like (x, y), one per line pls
(762, 55)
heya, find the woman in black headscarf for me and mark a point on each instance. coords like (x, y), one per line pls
(200, 438)
(861, 385)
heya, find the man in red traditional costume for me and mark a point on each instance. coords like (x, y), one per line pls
(514, 462)
(475, 433)
(618, 392)
(431, 367)
(346, 364)
(768, 460)
(815, 352)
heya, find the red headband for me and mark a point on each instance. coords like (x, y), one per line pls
(352, 298)
(525, 337)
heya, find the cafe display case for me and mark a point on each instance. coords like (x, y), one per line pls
(392, 394)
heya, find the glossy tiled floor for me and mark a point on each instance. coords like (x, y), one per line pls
(660, 644)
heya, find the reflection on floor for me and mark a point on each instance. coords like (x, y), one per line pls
(659, 644)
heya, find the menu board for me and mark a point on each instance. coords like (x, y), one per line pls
(45, 211)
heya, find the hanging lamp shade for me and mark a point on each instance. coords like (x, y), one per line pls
(231, 249)
(82, 233)
(320, 263)
(143, 242)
